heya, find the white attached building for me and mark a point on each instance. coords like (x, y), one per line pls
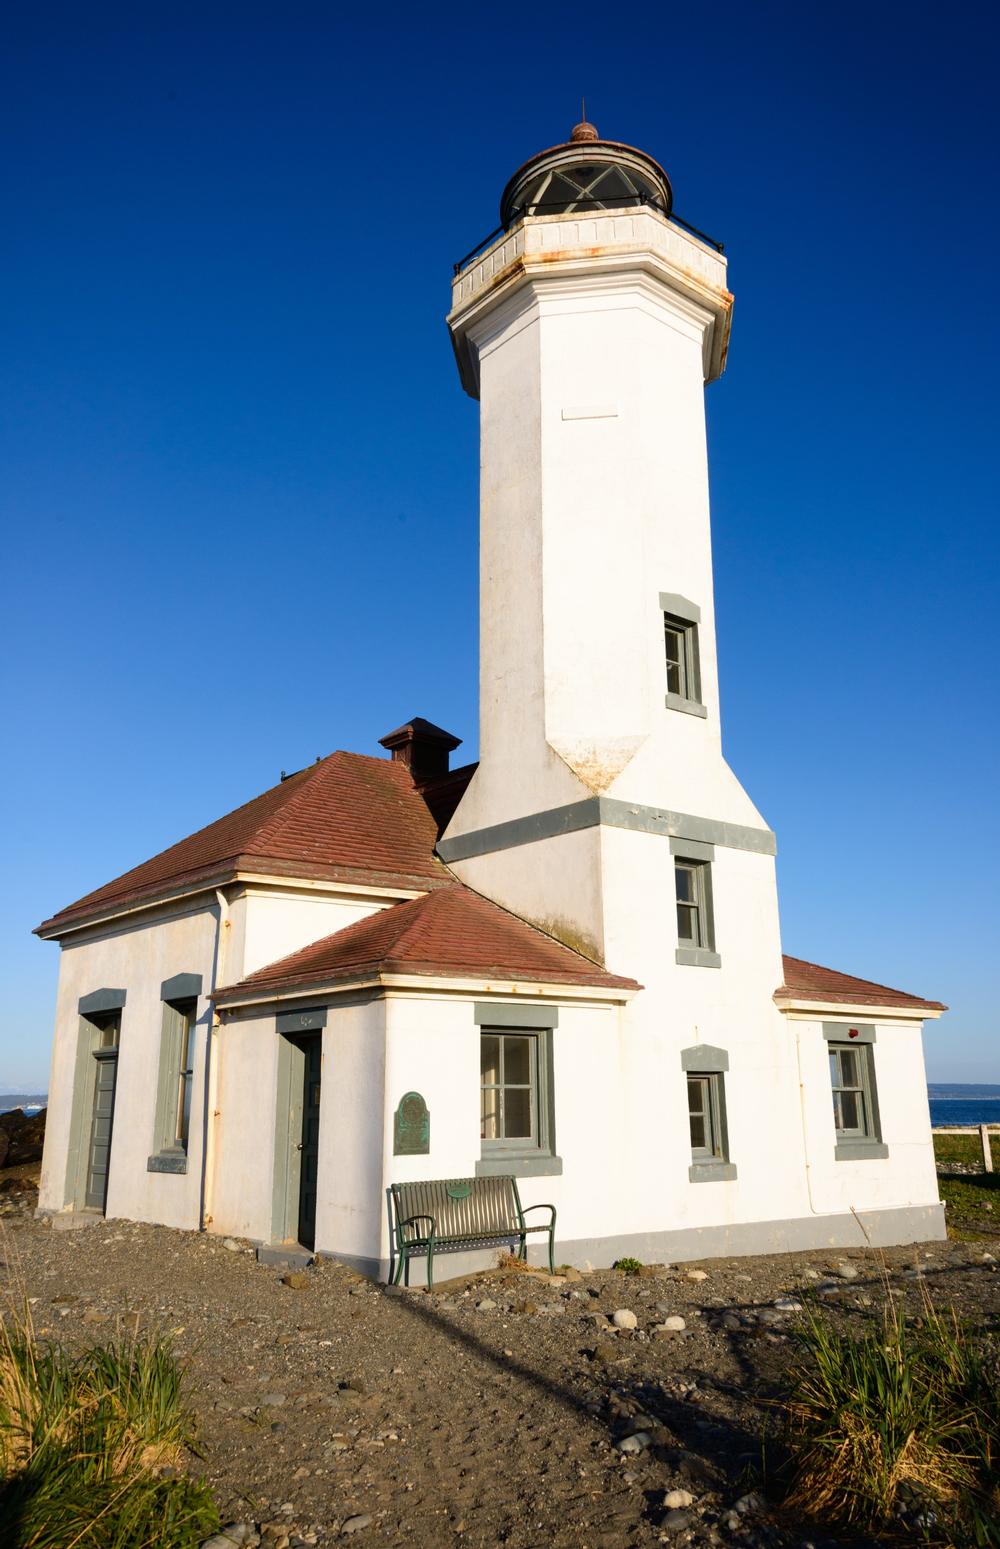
(563, 963)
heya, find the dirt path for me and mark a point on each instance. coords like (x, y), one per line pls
(490, 1412)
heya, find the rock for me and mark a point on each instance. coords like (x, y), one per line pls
(355, 1524)
(747, 1504)
(232, 1533)
(605, 1353)
(93, 1315)
(730, 1322)
(769, 1315)
(844, 1270)
(572, 1275)
(296, 1279)
(526, 1307)
(623, 1318)
(788, 1304)
(273, 1401)
(232, 1244)
(675, 1499)
(675, 1323)
(637, 1442)
(676, 1521)
(696, 1274)
(486, 1305)
(812, 1274)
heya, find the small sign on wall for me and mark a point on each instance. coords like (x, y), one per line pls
(412, 1126)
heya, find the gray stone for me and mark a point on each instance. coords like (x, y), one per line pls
(675, 1499)
(788, 1304)
(844, 1270)
(273, 1401)
(697, 1274)
(486, 1305)
(675, 1323)
(355, 1524)
(637, 1442)
(624, 1318)
(232, 1244)
(676, 1521)
(747, 1504)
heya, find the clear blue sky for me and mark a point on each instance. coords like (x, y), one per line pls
(239, 476)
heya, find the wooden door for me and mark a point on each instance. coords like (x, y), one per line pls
(101, 1126)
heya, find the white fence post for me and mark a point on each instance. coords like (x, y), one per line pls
(984, 1135)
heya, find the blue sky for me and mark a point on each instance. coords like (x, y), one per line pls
(239, 486)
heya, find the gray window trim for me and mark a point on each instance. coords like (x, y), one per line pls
(685, 706)
(500, 1158)
(169, 1155)
(704, 1057)
(680, 607)
(692, 849)
(840, 1032)
(308, 1019)
(487, 1014)
(867, 1147)
(181, 987)
(100, 1000)
(683, 617)
(697, 957)
(711, 1064)
(705, 955)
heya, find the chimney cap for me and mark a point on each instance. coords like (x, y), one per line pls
(418, 729)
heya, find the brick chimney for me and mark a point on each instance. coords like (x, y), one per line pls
(422, 747)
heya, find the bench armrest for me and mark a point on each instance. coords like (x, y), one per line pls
(412, 1221)
(527, 1209)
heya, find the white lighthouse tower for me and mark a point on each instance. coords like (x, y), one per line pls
(588, 332)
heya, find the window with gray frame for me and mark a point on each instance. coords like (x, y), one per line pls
(855, 1097)
(681, 619)
(172, 1124)
(693, 885)
(516, 1109)
(705, 1072)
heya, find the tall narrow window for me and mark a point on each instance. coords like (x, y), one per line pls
(856, 1122)
(703, 1116)
(705, 1072)
(680, 642)
(175, 1080)
(689, 881)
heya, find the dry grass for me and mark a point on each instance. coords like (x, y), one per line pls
(92, 1446)
(897, 1430)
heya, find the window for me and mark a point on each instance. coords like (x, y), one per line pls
(516, 1109)
(705, 1068)
(695, 922)
(855, 1099)
(508, 1089)
(680, 639)
(172, 1122)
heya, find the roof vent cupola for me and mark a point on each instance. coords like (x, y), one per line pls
(422, 747)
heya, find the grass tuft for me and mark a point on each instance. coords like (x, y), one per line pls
(897, 1430)
(92, 1447)
(628, 1266)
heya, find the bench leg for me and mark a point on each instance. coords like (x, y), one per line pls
(401, 1256)
(522, 1248)
(430, 1264)
(552, 1249)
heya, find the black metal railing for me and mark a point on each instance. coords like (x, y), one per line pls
(543, 206)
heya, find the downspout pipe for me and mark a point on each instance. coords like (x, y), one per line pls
(211, 1114)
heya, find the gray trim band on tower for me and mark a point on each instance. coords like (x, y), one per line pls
(308, 1020)
(181, 987)
(101, 1000)
(488, 1014)
(596, 810)
(839, 1032)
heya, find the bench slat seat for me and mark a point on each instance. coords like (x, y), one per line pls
(458, 1213)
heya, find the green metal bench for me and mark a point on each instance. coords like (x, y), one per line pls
(453, 1213)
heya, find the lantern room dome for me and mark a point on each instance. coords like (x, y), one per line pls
(584, 175)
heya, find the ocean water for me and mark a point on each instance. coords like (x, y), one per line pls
(965, 1110)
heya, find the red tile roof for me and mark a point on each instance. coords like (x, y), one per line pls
(451, 932)
(347, 817)
(808, 981)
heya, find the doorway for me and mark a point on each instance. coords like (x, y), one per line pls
(103, 1112)
(296, 1139)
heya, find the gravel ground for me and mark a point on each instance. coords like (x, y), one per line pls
(496, 1410)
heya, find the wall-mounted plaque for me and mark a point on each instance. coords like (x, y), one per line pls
(412, 1128)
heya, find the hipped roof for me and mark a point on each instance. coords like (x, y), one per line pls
(450, 933)
(809, 981)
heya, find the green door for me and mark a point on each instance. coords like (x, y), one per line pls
(101, 1125)
(309, 1143)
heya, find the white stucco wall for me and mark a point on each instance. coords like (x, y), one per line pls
(136, 958)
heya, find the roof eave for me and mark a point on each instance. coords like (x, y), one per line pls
(799, 1006)
(388, 979)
